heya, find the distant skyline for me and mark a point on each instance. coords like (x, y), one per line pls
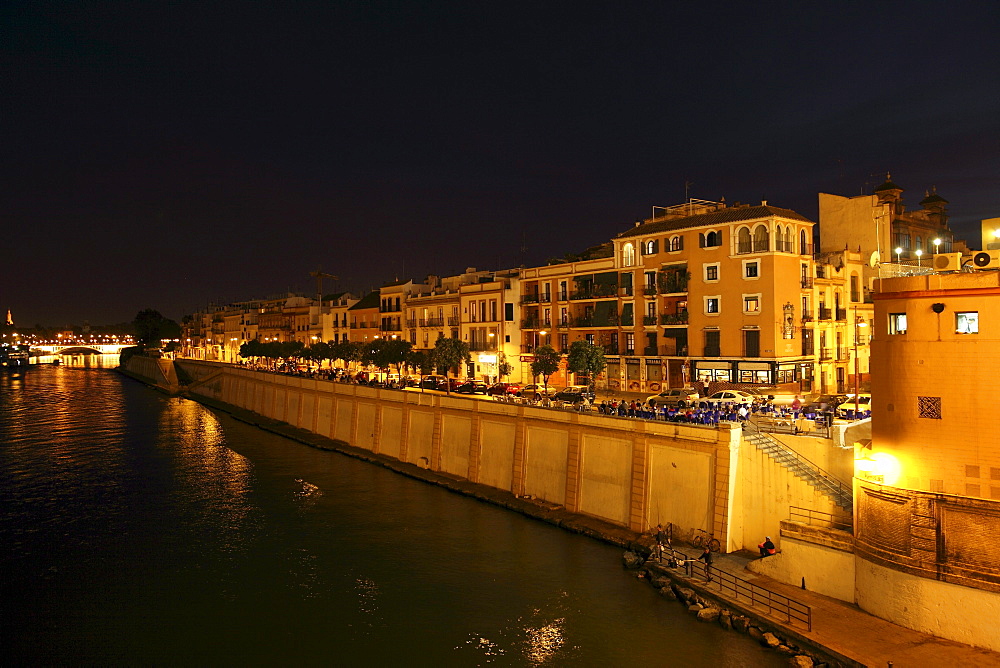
(170, 155)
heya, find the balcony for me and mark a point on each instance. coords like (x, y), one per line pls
(563, 296)
(826, 354)
(825, 313)
(649, 290)
(627, 320)
(806, 249)
(390, 327)
(628, 351)
(453, 320)
(431, 322)
(529, 299)
(411, 323)
(529, 323)
(650, 351)
(672, 283)
(842, 314)
(610, 349)
(712, 351)
(563, 324)
(625, 291)
(482, 346)
(761, 245)
(591, 321)
(674, 318)
(806, 282)
(649, 320)
(807, 316)
(673, 350)
(784, 246)
(545, 298)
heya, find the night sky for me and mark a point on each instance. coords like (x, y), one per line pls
(167, 155)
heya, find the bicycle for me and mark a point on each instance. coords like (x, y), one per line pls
(704, 539)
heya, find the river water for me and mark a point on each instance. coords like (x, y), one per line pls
(142, 529)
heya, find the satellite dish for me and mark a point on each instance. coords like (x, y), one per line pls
(874, 260)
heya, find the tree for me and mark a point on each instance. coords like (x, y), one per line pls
(421, 361)
(151, 328)
(449, 353)
(586, 358)
(504, 368)
(546, 363)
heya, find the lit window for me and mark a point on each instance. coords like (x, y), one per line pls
(676, 243)
(751, 303)
(967, 322)
(897, 323)
(628, 255)
(712, 304)
(650, 247)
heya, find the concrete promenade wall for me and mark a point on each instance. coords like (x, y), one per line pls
(629, 472)
(156, 371)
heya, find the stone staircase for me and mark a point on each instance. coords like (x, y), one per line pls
(839, 492)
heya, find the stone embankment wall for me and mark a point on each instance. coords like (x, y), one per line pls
(628, 472)
(155, 371)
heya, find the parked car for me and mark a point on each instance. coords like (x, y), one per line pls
(574, 393)
(677, 396)
(472, 387)
(734, 396)
(433, 383)
(864, 403)
(824, 403)
(513, 389)
(532, 390)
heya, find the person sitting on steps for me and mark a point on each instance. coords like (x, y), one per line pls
(766, 548)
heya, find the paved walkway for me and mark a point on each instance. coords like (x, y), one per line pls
(848, 631)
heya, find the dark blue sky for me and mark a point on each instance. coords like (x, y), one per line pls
(165, 155)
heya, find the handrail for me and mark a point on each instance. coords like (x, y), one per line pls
(807, 516)
(792, 610)
(843, 489)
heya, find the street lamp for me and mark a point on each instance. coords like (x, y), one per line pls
(899, 251)
(937, 245)
(540, 339)
(919, 252)
(858, 324)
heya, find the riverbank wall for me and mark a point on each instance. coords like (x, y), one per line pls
(630, 473)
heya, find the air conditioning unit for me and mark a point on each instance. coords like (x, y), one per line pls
(988, 259)
(948, 262)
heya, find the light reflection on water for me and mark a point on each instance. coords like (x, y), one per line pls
(144, 529)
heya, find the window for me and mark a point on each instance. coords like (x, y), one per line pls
(628, 255)
(649, 248)
(751, 343)
(751, 303)
(712, 304)
(711, 272)
(712, 343)
(743, 243)
(897, 323)
(761, 239)
(629, 343)
(751, 269)
(711, 240)
(855, 290)
(676, 243)
(803, 245)
(967, 322)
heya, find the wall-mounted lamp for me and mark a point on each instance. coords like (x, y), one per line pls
(937, 307)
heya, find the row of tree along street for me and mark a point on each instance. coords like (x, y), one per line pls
(446, 357)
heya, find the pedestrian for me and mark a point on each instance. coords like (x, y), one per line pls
(706, 556)
(766, 548)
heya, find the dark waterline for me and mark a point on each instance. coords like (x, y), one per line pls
(140, 529)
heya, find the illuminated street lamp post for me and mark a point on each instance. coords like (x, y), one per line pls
(937, 246)
(899, 251)
(919, 253)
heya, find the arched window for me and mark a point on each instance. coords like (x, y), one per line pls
(676, 243)
(628, 255)
(650, 248)
(761, 241)
(713, 239)
(855, 289)
(919, 245)
(789, 240)
(743, 241)
(803, 246)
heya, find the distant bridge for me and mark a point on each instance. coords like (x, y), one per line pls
(80, 349)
